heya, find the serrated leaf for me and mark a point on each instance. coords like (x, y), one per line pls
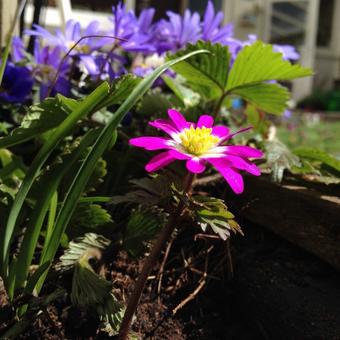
(141, 227)
(39, 118)
(271, 98)
(80, 246)
(318, 155)
(279, 158)
(206, 73)
(212, 212)
(258, 63)
(148, 191)
(90, 216)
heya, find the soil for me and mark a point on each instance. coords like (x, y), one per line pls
(277, 292)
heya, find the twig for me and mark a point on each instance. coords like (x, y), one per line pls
(196, 291)
(230, 266)
(161, 268)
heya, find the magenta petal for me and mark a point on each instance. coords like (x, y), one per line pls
(243, 164)
(244, 151)
(178, 155)
(206, 121)
(220, 131)
(159, 161)
(195, 165)
(149, 143)
(164, 125)
(233, 178)
(178, 119)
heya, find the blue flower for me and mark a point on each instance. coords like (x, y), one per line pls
(16, 84)
(211, 27)
(46, 65)
(176, 32)
(137, 31)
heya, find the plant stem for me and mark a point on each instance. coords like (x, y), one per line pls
(219, 104)
(150, 261)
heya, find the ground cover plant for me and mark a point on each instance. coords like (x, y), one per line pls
(76, 185)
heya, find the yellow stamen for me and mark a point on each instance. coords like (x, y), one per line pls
(197, 141)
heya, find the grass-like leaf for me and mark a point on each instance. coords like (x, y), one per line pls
(86, 106)
(89, 163)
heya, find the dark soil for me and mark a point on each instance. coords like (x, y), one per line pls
(277, 292)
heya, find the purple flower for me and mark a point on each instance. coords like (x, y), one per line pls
(47, 61)
(16, 84)
(103, 66)
(211, 26)
(289, 52)
(137, 32)
(18, 50)
(199, 144)
(177, 31)
(65, 40)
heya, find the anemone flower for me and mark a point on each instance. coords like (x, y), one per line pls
(137, 31)
(199, 144)
(72, 33)
(211, 26)
(46, 64)
(16, 84)
(176, 32)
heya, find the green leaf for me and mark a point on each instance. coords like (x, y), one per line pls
(258, 63)
(50, 182)
(86, 106)
(81, 246)
(84, 173)
(90, 216)
(279, 158)
(318, 155)
(141, 227)
(212, 212)
(206, 73)
(271, 98)
(39, 118)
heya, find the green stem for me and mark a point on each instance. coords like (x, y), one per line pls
(219, 104)
(150, 261)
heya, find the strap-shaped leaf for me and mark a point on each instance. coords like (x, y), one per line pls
(258, 63)
(206, 73)
(86, 106)
(89, 163)
(271, 98)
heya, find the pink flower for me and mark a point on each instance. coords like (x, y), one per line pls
(199, 144)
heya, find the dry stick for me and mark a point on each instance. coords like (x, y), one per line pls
(69, 52)
(230, 265)
(196, 291)
(150, 261)
(161, 268)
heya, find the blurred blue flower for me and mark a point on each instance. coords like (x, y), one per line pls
(18, 51)
(137, 32)
(72, 33)
(212, 29)
(16, 84)
(176, 32)
(46, 64)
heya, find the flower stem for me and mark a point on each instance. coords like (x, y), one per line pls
(219, 104)
(150, 261)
